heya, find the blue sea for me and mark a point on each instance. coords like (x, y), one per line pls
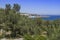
(51, 17)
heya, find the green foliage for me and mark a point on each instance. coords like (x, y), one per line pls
(28, 37)
(39, 37)
(8, 7)
(16, 7)
(34, 37)
(19, 25)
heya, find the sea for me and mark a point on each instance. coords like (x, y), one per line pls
(51, 17)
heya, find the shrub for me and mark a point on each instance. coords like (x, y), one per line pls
(28, 37)
(35, 37)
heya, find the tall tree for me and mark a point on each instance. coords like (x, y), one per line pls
(16, 7)
(7, 8)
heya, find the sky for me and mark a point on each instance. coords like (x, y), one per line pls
(40, 7)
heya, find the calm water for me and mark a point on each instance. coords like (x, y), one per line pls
(52, 17)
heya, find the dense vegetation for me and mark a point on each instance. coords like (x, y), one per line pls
(14, 25)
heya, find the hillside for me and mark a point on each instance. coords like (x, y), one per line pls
(14, 24)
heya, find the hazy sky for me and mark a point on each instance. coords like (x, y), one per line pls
(42, 7)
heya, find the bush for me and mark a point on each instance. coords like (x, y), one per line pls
(28, 37)
(35, 37)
